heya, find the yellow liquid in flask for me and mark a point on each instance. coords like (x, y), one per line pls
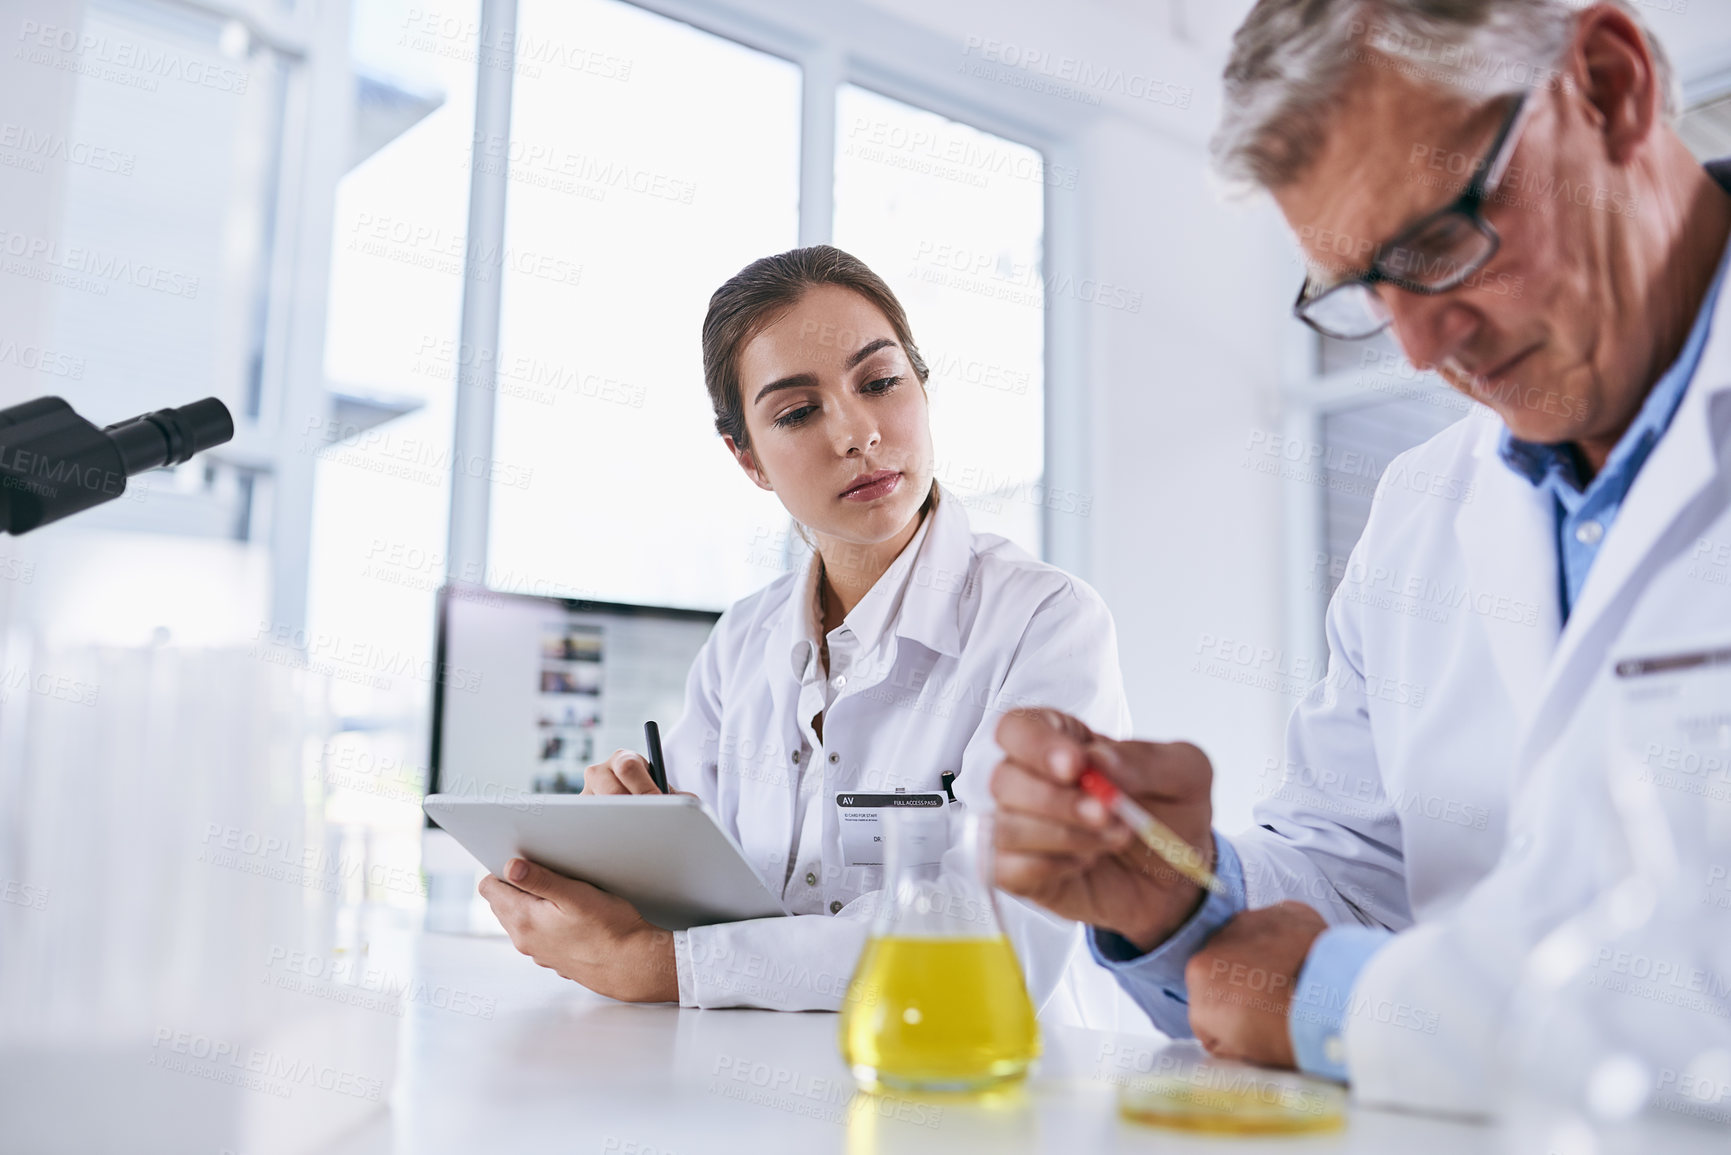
(938, 1014)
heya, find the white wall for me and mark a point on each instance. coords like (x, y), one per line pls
(1187, 541)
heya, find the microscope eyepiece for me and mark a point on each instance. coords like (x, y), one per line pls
(54, 463)
(171, 436)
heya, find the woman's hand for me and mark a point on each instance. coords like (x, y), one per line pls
(627, 772)
(624, 773)
(586, 935)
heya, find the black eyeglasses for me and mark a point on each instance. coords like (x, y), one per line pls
(1433, 255)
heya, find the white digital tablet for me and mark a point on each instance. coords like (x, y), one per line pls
(664, 853)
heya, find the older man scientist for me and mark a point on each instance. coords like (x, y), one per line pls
(1500, 183)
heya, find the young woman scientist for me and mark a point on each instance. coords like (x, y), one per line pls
(883, 662)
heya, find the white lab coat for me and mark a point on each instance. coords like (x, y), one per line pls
(980, 628)
(1447, 780)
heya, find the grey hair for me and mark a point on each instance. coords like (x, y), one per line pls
(1292, 61)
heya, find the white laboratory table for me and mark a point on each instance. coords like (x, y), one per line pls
(521, 1060)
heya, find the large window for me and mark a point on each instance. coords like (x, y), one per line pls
(391, 353)
(952, 217)
(646, 162)
(382, 448)
(638, 182)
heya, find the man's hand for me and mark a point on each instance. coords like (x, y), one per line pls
(1060, 848)
(586, 935)
(1241, 983)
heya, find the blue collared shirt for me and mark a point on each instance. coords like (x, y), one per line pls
(1585, 513)
(1156, 980)
(1320, 1001)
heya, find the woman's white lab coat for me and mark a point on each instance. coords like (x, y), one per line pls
(1448, 779)
(963, 628)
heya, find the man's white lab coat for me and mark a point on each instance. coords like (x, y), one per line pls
(1448, 779)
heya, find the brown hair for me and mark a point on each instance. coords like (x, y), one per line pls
(755, 296)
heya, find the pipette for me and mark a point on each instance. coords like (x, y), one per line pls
(1159, 837)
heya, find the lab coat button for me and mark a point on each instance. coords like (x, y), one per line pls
(840, 681)
(811, 878)
(834, 758)
(1589, 532)
(796, 757)
(835, 907)
(1334, 1050)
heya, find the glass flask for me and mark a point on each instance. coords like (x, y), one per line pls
(1619, 1037)
(937, 1002)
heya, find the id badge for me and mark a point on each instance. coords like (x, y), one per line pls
(860, 817)
(1676, 723)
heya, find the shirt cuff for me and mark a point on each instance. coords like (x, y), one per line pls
(1156, 979)
(1319, 1004)
(682, 967)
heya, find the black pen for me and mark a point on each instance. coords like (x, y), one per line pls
(657, 768)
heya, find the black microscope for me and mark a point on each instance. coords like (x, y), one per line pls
(54, 463)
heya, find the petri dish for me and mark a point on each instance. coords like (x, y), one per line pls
(1222, 1100)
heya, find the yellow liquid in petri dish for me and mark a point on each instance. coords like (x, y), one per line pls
(1226, 1101)
(938, 1014)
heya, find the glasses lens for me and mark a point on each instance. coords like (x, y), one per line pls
(1349, 312)
(1439, 254)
